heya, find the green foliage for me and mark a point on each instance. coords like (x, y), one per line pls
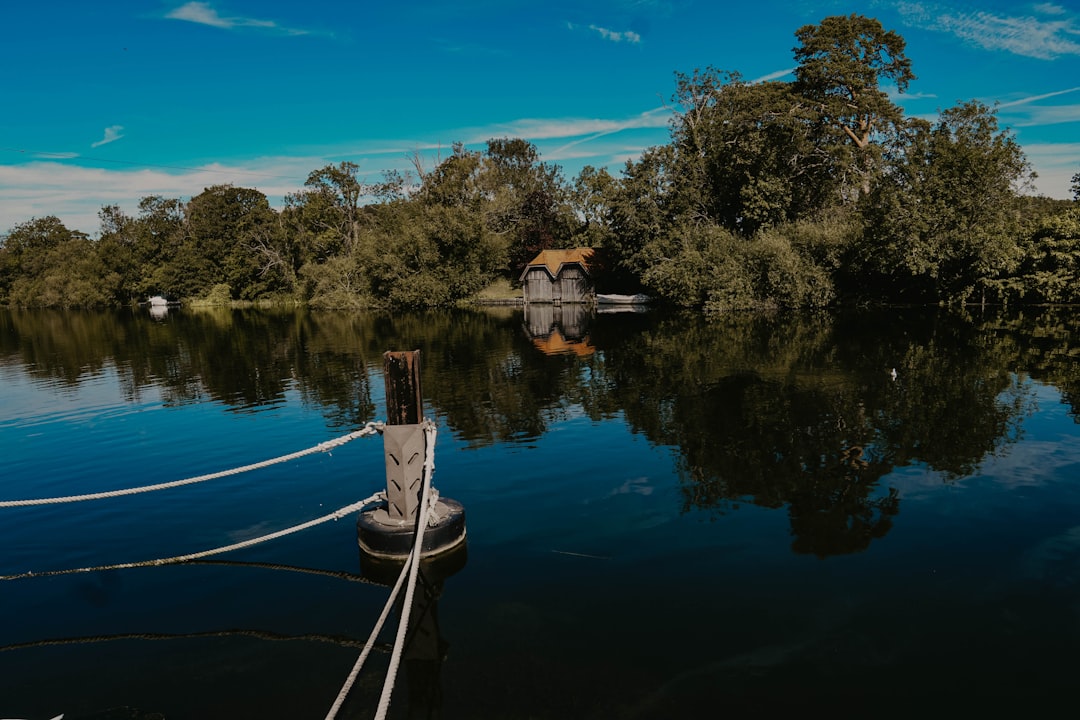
(218, 295)
(43, 264)
(699, 265)
(942, 224)
(224, 227)
(334, 194)
(782, 276)
(842, 63)
(643, 209)
(159, 235)
(117, 248)
(337, 282)
(524, 199)
(711, 267)
(590, 198)
(71, 275)
(777, 163)
(429, 256)
(746, 155)
(1050, 272)
(455, 181)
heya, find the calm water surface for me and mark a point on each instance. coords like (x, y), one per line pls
(666, 517)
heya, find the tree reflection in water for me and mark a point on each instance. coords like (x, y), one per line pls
(798, 411)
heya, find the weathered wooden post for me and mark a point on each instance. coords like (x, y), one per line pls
(388, 531)
(404, 440)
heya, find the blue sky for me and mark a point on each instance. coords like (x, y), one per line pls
(107, 102)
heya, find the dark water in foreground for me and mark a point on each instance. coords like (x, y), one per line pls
(666, 518)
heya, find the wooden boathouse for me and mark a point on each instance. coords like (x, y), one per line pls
(560, 277)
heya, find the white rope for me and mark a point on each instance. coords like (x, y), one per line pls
(359, 664)
(410, 568)
(403, 625)
(336, 515)
(370, 429)
(341, 641)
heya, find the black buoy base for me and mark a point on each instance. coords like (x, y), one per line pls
(436, 568)
(380, 537)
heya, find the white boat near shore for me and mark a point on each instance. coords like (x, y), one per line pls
(638, 299)
(159, 306)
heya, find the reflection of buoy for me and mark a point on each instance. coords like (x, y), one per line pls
(424, 649)
(380, 536)
(436, 568)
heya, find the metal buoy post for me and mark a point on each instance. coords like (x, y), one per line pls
(389, 531)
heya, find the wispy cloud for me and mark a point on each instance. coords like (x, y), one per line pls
(899, 96)
(1054, 156)
(566, 128)
(53, 155)
(112, 134)
(1050, 9)
(1036, 98)
(74, 192)
(203, 14)
(772, 76)
(1055, 164)
(1051, 33)
(587, 132)
(1040, 115)
(617, 36)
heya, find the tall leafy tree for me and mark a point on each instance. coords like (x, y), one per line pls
(591, 197)
(44, 264)
(427, 255)
(527, 200)
(842, 64)
(28, 243)
(1050, 269)
(222, 227)
(159, 230)
(454, 182)
(338, 192)
(748, 157)
(645, 208)
(943, 222)
(118, 247)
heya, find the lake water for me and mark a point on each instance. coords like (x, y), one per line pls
(666, 517)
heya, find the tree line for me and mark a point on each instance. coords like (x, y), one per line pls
(779, 194)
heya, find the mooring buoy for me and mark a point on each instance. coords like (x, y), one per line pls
(381, 537)
(389, 531)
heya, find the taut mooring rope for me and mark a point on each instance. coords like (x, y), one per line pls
(257, 634)
(414, 569)
(370, 429)
(336, 515)
(410, 568)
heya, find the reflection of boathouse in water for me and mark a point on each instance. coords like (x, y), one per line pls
(559, 329)
(560, 277)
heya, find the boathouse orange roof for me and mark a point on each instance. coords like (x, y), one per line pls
(553, 260)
